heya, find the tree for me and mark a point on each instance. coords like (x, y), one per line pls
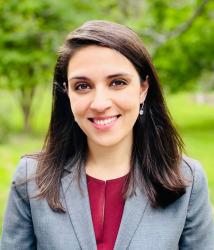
(178, 34)
(180, 37)
(30, 34)
(27, 47)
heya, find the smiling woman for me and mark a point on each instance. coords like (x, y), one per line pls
(111, 174)
(97, 90)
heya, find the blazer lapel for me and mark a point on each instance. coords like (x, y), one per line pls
(78, 208)
(134, 209)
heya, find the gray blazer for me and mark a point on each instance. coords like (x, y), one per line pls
(31, 224)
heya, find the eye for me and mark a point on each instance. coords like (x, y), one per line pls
(118, 83)
(82, 86)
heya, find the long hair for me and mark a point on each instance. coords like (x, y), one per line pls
(157, 147)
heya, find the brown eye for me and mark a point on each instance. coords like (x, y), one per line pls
(118, 83)
(82, 86)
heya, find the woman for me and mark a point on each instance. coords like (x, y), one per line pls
(111, 174)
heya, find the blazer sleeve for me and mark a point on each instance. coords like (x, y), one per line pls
(198, 232)
(18, 233)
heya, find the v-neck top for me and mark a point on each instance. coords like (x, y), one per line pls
(107, 204)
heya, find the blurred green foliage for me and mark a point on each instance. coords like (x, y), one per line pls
(178, 34)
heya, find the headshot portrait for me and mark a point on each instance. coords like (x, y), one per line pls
(113, 172)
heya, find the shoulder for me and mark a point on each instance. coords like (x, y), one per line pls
(23, 175)
(197, 187)
(193, 171)
(25, 169)
(199, 228)
(23, 178)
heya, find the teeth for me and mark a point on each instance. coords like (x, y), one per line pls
(106, 121)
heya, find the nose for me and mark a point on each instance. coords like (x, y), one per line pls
(101, 101)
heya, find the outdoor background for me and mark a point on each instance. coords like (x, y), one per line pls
(178, 34)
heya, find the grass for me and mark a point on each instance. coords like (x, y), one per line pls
(195, 123)
(10, 153)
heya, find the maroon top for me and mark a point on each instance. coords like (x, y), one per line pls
(107, 203)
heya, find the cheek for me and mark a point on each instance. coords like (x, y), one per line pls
(129, 102)
(78, 106)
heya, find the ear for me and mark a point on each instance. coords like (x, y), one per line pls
(144, 89)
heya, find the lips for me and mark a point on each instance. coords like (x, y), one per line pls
(104, 120)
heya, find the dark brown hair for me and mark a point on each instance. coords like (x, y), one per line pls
(157, 147)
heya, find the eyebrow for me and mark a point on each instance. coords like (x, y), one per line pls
(108, 77)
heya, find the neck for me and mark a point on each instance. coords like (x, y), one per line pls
(109, 162)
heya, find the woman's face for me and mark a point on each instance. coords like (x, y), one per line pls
(105, 93)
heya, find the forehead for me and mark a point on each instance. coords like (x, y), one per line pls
(97, 59)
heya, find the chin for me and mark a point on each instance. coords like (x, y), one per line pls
(105, 143)
(110, 141)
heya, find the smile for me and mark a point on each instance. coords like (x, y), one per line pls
(104, 121)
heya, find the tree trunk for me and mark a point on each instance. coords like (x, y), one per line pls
(25, 101)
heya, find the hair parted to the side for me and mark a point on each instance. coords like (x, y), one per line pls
(157, 147)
